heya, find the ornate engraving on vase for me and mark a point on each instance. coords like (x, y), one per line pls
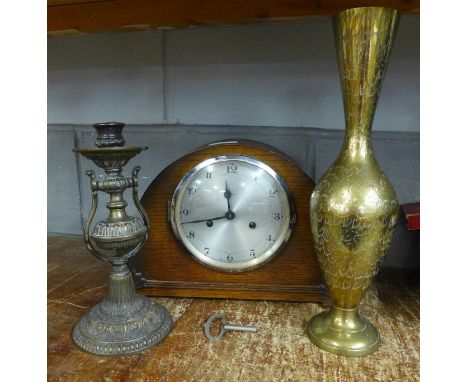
(352, 227)
(354, 208)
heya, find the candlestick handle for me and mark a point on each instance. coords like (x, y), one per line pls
(94, 189)
(122, 258)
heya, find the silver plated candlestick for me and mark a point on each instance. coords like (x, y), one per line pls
(124, 322)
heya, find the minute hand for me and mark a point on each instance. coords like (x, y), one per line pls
(205, 220)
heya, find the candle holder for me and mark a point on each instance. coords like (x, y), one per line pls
(124, 322)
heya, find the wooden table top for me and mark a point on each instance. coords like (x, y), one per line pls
(279, 351)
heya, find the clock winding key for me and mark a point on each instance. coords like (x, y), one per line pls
(224, 327)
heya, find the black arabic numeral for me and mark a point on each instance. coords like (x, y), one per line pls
(186, 212)
(277, 216)
(208, 175)
(191, 234)
(232, 169)
(192, 190)
(252, 253)
(230, 258)
(207, 250)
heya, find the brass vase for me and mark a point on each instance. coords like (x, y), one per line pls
(354, 207)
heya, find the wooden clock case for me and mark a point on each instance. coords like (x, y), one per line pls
(165, 268)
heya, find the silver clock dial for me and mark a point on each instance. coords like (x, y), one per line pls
(232, 213)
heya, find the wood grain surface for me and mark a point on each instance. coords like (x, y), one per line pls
(167, 269)
(96, 16)
(279, 351)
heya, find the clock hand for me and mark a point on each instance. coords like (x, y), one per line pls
(228, 215)
(205, 220)
(227, 195)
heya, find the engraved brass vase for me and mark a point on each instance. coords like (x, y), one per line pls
(354, 207)
(124, 322)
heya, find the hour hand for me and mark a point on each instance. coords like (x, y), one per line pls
(205, 220)
(227, 195)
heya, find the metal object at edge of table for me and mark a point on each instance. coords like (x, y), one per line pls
(225, 326)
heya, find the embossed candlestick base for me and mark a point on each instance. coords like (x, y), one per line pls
(124, 322)
(354, 207)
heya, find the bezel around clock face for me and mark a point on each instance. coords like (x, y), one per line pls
(232, 213)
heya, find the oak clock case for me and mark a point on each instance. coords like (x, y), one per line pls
(174, 264)
(232, 213)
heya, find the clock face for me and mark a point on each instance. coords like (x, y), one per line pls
(232, 213)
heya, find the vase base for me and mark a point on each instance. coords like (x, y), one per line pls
(122, 328)
(343, 332)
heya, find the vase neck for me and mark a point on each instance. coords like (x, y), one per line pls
(357, 144)
(363, 39)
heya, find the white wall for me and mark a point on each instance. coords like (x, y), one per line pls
(249, 75)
